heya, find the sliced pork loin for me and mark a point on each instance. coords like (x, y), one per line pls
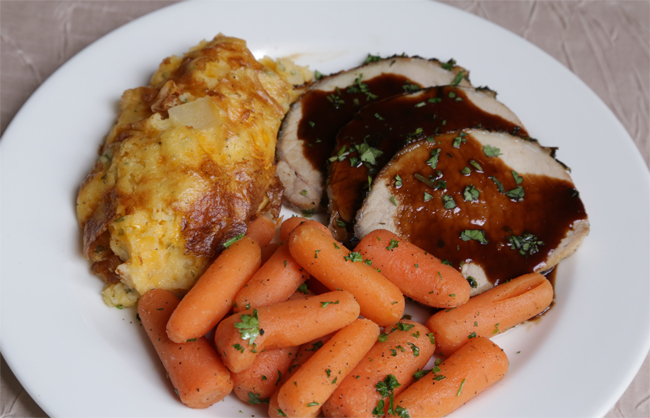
(308, 132)
(495, 206)
(382, 128)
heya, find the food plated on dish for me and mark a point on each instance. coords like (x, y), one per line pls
(435, 185)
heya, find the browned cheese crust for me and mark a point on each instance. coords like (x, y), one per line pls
(187, 166)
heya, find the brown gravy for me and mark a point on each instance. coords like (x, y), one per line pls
(548, 210)
(388, 126)
(323, 118)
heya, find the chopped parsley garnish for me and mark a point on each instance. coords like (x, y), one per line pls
(324, 304)
(472, 282)
(341, 223)
(335, 246)
(420, 374)
(393, 201)
(382, 338)
(416, 350)
(359, 87)
(447, 262)
(386, 388)
(432, 338)
(190, 340)
(517, 177)
(472, 335)
(238, 347)
(491, 151)
(465, 171)
(304, 192)
(434, 100)
(404, 327)
(233, 240)
(398, 181)
(316, 253)
(433, 161)
(471, 193)
(527, 244)
(458, 78)
(427, 197)
(411, 88)
(424, 180)
(249, 327)
(328, 371)
(460, 389)
(393, 244)
(516, 194)
(448, 201)
(449, 64)
(476, 165)
(498, 183)
(421, 104)
(254, 399)
(439, 377)
(315, 346)
(307, 213)
(317, 75)
(368, 154)
(475, 234)
(496, 329)
(312, 404)
(371, 58)
(355, 257)
(378, 116)
(460, 139)
(303, 289)
(335, 100)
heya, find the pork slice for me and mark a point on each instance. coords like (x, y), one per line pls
(496, 207)
(307, 135)
(382, 128)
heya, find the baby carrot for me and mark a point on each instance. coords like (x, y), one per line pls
(337, 268)
(288, 324)
(211, 297)
(418, 274)
(257, 383)
(274, 282)
(292, 223)
(305, 352)
(261, 230)
(402, 352)
(469, 371)
(319, 377)
(492, 312)
(194, 368)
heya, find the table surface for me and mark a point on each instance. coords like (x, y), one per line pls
(605, 43)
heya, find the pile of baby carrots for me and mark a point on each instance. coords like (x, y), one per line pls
(279, 343)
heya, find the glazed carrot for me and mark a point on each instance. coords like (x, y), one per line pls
(211, 297)
(257, 383)
(319, 377)
(288, 324)
(261, 230)
(469, 371)
(274, 282)
(334, 266)
(290, 224)
(402, 352)
(418, 274)
(492, 312)
(194, 368)
(269, 250)
(305, 352)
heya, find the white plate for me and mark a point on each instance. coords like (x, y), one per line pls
(76, 357)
